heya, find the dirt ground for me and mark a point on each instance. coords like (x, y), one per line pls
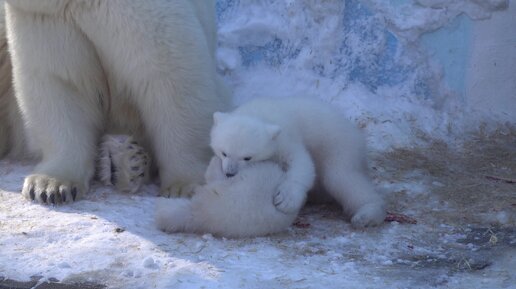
(476, 180)
(471, 194)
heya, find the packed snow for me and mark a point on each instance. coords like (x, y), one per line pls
(367, 58)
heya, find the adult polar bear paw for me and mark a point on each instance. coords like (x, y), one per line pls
(49, 190)
(122, 163)
(369, 215)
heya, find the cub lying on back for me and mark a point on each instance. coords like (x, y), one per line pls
(240, 206)
(308, 138)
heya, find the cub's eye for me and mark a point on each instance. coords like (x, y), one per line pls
(247, 159)
(224, 154)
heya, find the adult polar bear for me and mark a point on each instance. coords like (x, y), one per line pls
(85, 67)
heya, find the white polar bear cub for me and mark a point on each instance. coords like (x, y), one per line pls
(84, 68)
(306, 137)
(240, 206)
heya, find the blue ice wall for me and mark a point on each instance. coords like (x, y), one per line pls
(376, 67)
(449, 46)
(414, 64)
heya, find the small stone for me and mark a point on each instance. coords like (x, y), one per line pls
(119, 230)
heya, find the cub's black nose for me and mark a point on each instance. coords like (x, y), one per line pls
(230, 175)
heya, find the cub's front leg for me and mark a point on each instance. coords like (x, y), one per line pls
(300, 177)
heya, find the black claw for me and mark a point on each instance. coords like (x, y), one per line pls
(113, 179)
(44, 196)
(74, 194)
(52, 198)
(31, 193)
(59, 199)
(113, 170)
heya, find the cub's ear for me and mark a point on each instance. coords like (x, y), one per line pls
(218, 117)
(273, 131)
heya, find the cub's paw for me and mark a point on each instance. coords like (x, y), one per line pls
(178, 190)
(290, 198)
(123, 163)
(48, 190)
(369, 215)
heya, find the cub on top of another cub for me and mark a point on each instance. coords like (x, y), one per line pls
(309, 140)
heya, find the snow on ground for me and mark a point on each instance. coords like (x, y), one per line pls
(367, 58)
(464, 236)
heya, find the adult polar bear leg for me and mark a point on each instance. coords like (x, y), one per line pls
(168, 67)
(58, 82)
(5, 91)
(4, 122)
(12, 135)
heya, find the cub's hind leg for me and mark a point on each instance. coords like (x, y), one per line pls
(353, 189)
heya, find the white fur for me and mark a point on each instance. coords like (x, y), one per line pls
(83, 68)
(12, 133)
(240, 206)
(306, 137)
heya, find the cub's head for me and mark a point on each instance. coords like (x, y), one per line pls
(239, 141)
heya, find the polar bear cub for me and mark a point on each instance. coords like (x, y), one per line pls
(307, 138)
(241, 206)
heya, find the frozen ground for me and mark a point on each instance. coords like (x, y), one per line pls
(465, 236)
(380, 63)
